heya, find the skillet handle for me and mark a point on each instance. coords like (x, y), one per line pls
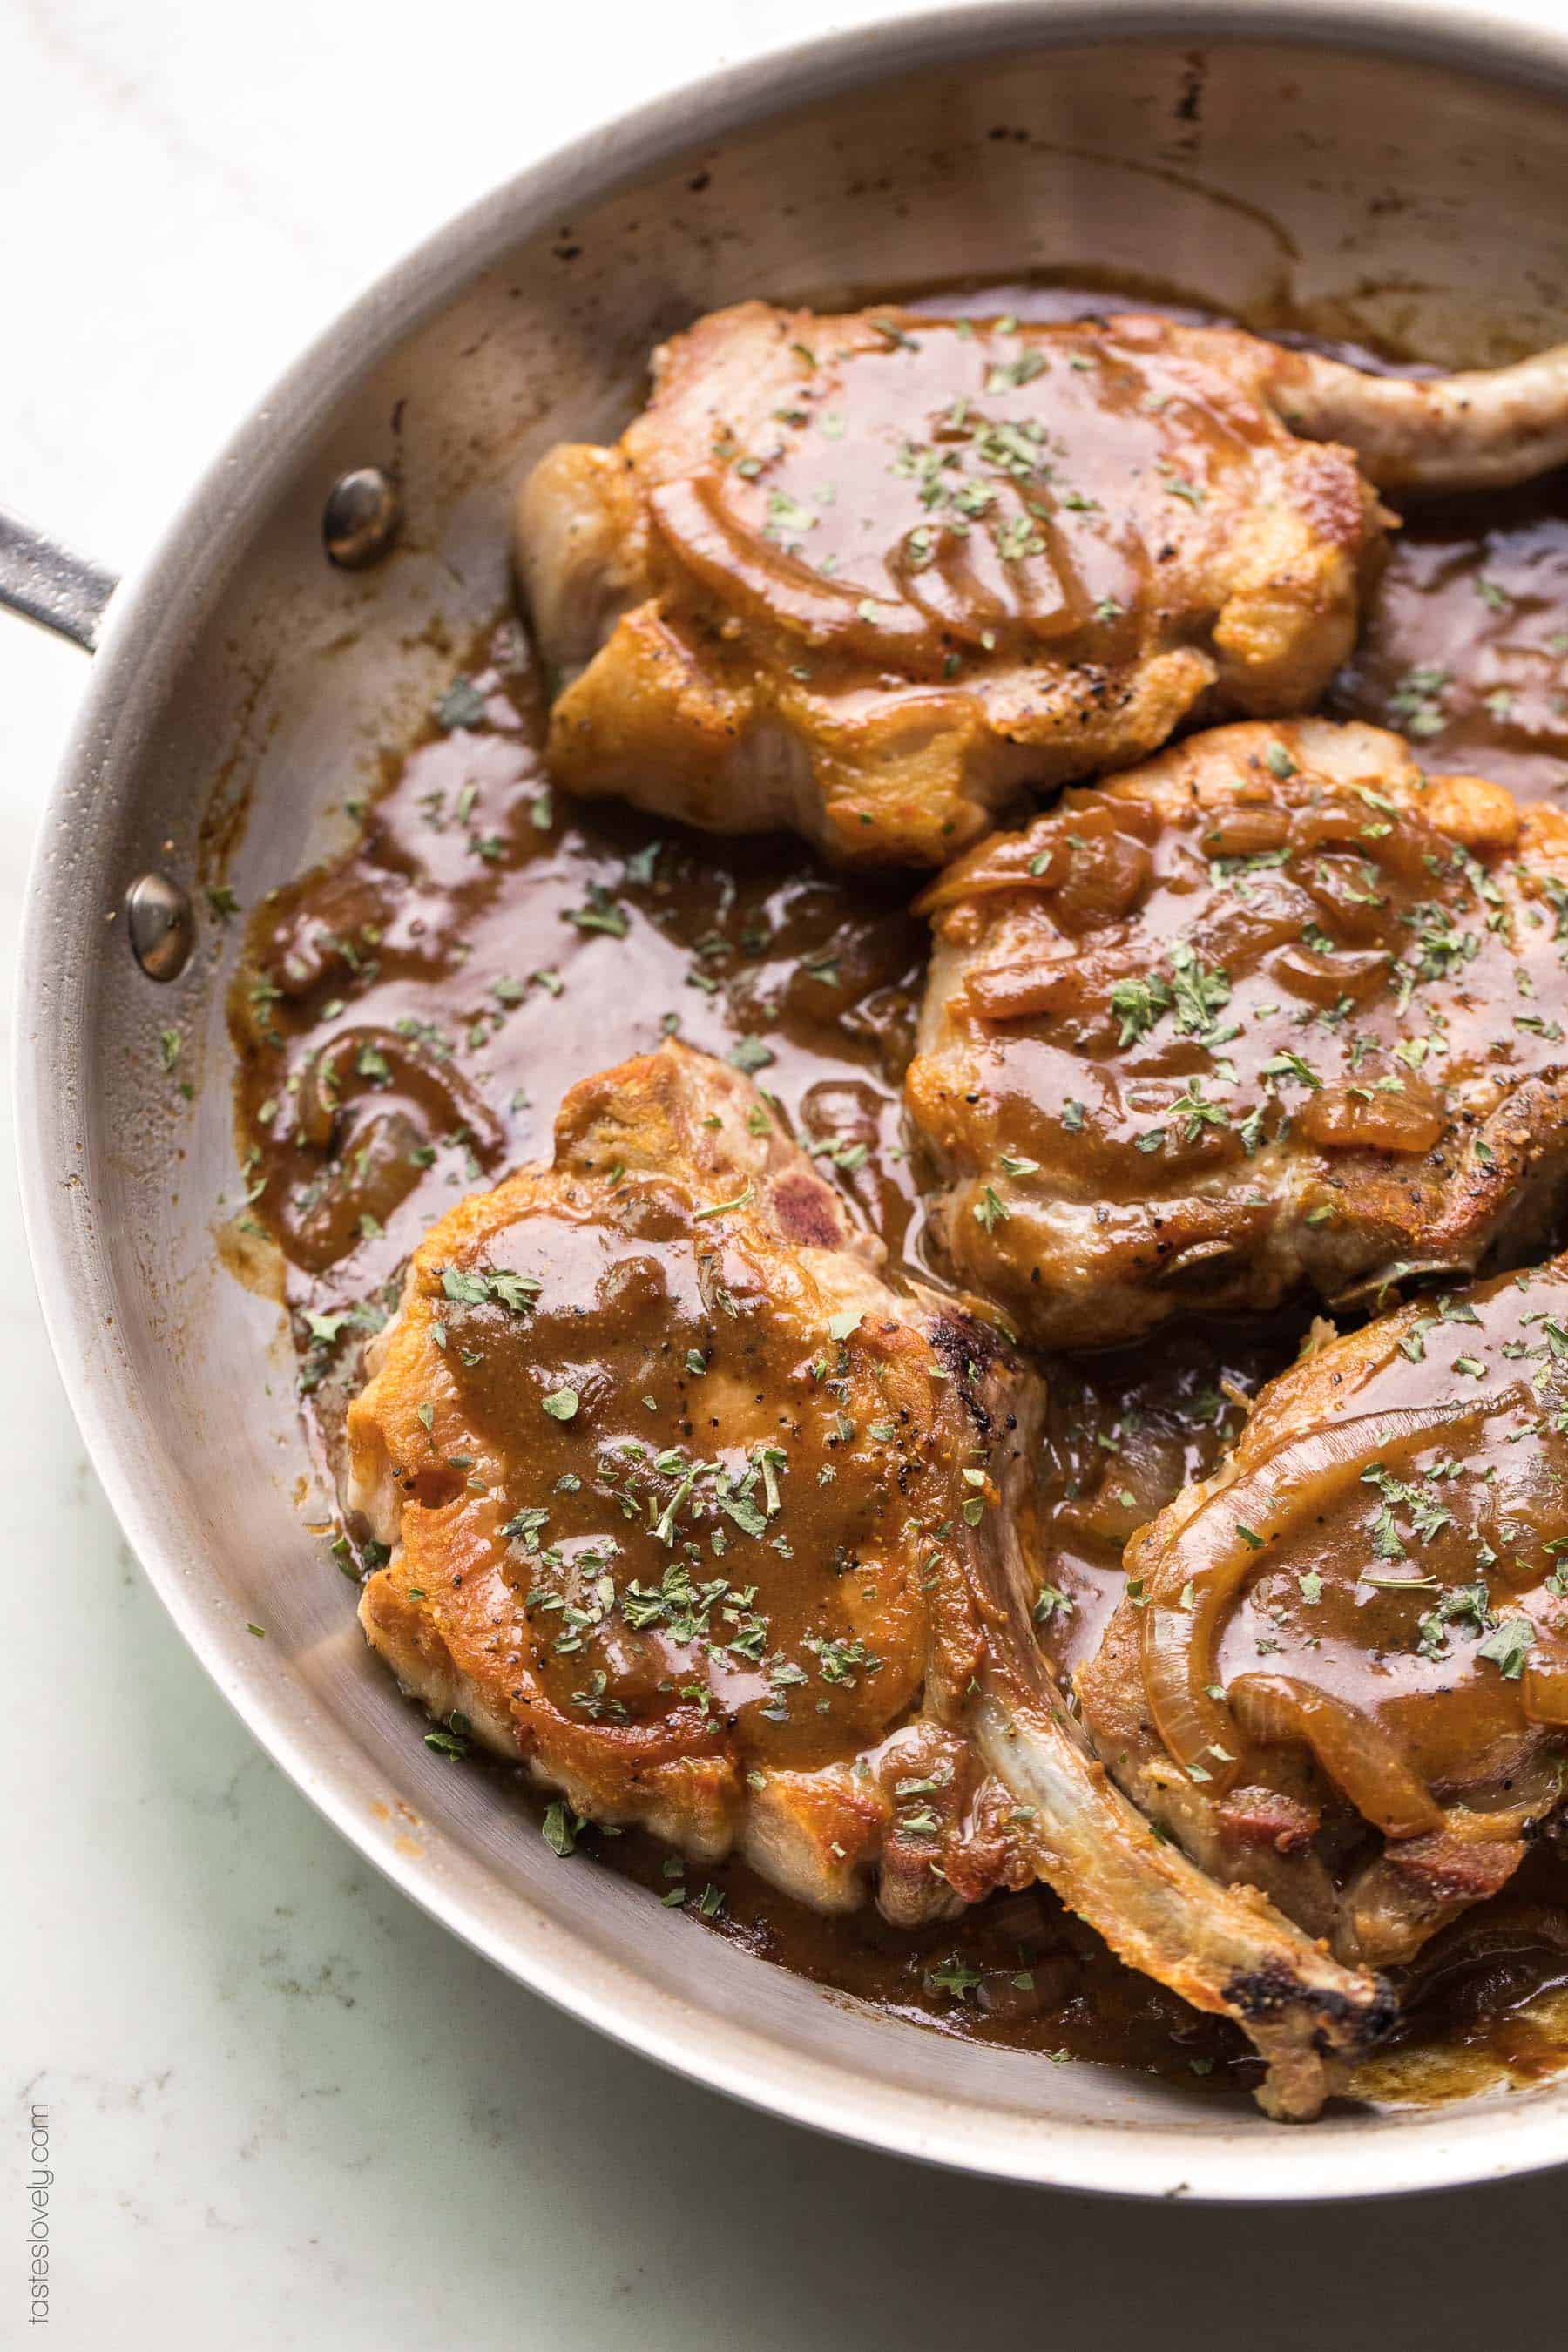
(52, 584)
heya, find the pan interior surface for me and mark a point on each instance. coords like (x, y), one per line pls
(1387, 178)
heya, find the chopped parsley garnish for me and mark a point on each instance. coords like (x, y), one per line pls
(1199, 991)
(453, 1740)
(476, 1287)
(1508, 1646)
(462, 705)
(954, 1977)
(991, 1210)
(723, 1208)
(561, 1828)
(1138, 1004)
(1418, 700)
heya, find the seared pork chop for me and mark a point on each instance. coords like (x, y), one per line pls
(664, 1462)
(1275, 1008)
(693, 1513)
(1341, 1671)
(869, 575)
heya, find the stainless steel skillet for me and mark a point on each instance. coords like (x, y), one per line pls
(1394, 170)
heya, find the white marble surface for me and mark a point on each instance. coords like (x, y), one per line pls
(286, 2110)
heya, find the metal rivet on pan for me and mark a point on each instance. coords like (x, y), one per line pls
(361, 518)
(158, 916)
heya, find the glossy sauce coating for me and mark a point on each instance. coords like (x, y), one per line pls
(694, 1502)
(749, 939)
(1176, 989)
(480, 948)
(1465, 647)
(929, 485)
(1126, 1430)
(1404, 1554)
(1313, 958)
(1274, 1009)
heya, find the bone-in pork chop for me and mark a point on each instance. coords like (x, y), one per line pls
(1341, 1671)
(869, 575)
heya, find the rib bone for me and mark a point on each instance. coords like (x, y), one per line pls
(1481, 431)
(1226, 1950)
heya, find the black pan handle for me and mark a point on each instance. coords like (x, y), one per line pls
(52, 584)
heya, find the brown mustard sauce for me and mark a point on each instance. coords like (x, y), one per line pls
(715, 1435)
(1465, 649)
(1379, 1580)
(1372, 1588)
(481, 944)
(1342, 945)
(936, 474)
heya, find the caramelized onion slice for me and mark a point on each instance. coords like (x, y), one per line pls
(1024, 986)
(375, 1174)
(1324, 977)
(1349, 892)
(382, 1064)
(1211, 1554)
(1141, 1480)
(1385, 1287)
(1107, 874)
(1359, 1756)
(1035, 861)
(948, 591)
(1364, 1118)
(1245, 829)
(1504, 1933)
(1397, 842)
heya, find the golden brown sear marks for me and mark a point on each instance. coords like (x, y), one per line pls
(1341, 1671)
(679, 1496)
(1275, 1010)
(868, 575)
